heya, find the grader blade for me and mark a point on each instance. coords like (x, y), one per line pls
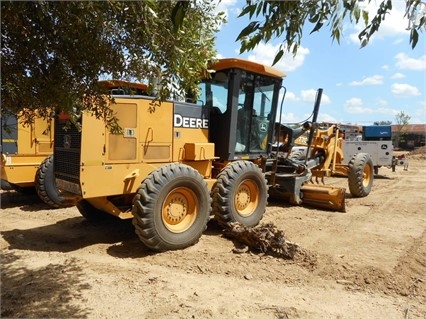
(328, 197)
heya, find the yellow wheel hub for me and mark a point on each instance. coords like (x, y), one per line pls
(247, 198)
(366, 176)
(180, 209)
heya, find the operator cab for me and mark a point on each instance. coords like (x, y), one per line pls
(243, 98)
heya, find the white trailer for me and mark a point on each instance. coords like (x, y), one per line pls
(381, 152)
(372, 139)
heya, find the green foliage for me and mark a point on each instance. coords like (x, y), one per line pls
(402, 120)
(276, 19)
(53, 53)
(382, 123)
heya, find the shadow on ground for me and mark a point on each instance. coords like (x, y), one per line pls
(26, 201)
(69, 235)
(47, 292)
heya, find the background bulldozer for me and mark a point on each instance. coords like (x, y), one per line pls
(177, 163)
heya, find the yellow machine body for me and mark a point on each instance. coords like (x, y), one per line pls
(329, 142)
(153, 135)
(176, 163)
(323, 155)
(24, 147)
(148, 141)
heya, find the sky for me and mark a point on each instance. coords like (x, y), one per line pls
(360, 86)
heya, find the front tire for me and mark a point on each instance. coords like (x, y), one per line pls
(240, 194)
(360, 177)
(171, 208)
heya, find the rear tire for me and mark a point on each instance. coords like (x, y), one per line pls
(45, 184)
(171, 208)
(240, 194)
(361, 174)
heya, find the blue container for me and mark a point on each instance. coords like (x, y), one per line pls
(377, 132)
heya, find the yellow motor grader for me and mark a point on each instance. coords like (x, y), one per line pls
(177, 163)
(319, 154)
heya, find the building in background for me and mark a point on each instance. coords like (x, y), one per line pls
(411, 137)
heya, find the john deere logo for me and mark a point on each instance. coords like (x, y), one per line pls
(67, 141)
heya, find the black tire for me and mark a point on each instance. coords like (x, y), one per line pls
(91, 213)
(5, 185)
(45, 184)
(171, 208)
(361, 174)
(297, 155)
(240, 194)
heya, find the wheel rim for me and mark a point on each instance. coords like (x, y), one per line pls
(366, 176)
(246, 198)
(180, 210)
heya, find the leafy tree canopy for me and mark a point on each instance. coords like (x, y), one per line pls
(402, 119)
(53, 53)
(382, 123)
(273, 19)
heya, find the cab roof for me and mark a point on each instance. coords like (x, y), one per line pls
(236, 63)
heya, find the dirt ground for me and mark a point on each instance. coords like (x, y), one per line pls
(369, 262)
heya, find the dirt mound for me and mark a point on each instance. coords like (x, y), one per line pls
(418, 153)
(268, 239)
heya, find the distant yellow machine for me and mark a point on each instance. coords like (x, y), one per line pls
(23, 148)
(324, 154)
(177, 163)
(27, 153)
(27, 157)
